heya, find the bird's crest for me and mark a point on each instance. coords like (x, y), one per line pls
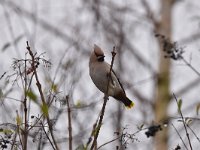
(98, 51)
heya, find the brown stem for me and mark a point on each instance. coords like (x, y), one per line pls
(25, 138)
(69, 123)
(24, 131)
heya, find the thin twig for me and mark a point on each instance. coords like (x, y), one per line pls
(69, 123)
(19, 130)
(109, 142)
(183, 120)
(128, 135)
(43, 128)
(41, 94)
(98, 127)
(13, 141)
(25, 138)
(179, 135)
(92, 133)
(24, 103)
(193, 133)
(190, 66)
(104, 103)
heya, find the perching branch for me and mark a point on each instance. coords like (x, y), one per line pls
(106, 97)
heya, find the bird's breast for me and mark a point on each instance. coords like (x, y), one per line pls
(100, 78)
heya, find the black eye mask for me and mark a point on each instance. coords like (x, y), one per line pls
(100, 58)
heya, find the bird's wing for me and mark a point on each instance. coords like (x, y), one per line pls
(113, 75)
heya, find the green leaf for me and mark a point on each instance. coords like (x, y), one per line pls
(188, 121)
(81, 147)
(79, 104)
(54, 87)
(18, 120)
(179, 105)
(197, 108)
(45, 109)
(31, 95)
(1, 93)
(140, 127)
(7, 131)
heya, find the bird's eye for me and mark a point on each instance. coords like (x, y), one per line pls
(100, 58)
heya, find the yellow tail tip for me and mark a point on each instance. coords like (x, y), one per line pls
(131, 105)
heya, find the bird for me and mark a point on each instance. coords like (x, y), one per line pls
(100, 74)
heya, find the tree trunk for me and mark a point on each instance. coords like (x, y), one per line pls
(163, 80)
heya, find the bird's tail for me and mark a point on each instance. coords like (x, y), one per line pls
(127, 102)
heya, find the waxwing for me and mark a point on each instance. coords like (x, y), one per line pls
(99, 73)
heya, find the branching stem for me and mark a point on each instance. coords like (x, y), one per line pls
(39, 86)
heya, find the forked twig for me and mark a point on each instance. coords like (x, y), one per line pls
(184, 124)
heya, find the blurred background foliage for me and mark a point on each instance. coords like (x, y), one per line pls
(62, 34)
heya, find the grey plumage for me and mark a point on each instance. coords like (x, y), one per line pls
(99, 73)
